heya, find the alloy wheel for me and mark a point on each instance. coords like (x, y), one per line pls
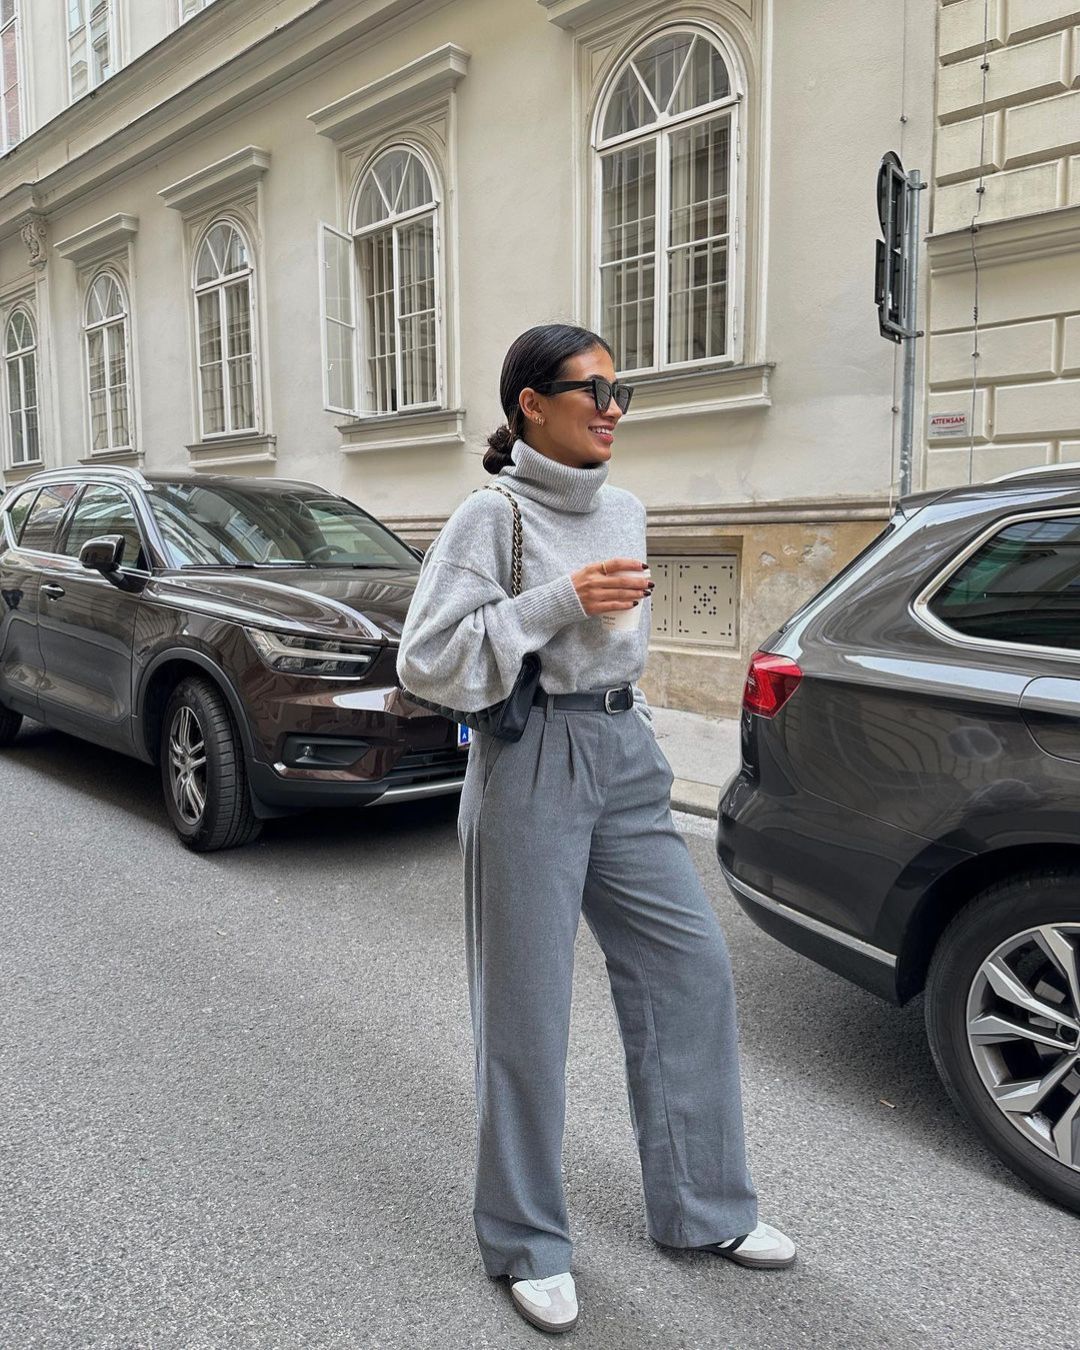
(1023, 1023)
(187, 765)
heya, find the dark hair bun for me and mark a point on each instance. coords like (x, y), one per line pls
(500, 443)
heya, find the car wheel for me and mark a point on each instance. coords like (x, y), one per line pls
(1003, 1019)
(10, 722)
(203, 772)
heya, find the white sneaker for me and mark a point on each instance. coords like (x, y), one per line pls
(550, 1304)
(766, 1248)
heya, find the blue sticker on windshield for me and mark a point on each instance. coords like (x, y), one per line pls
(464, 735)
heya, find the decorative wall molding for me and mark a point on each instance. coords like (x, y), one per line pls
(1040, 235)
(104, 240)
(411, 86)
(690, 521)
(573, 14)
(218, 182)
(35, 235)
(798, 511)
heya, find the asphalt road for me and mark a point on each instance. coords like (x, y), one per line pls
(236, 1112)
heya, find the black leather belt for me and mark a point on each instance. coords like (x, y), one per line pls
(618, 699)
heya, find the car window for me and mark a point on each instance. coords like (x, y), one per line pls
(347, 534)
(18, 511)
(230, 525)
(105, 510)
(1023, 585)
(45, 515)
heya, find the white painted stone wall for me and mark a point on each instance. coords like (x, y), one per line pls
(1007, 161)
(799, 437)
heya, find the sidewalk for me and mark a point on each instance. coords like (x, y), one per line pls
(703, 753)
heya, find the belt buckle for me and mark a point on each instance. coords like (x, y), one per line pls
(607, 699)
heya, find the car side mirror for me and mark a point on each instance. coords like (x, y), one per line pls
(103, 554)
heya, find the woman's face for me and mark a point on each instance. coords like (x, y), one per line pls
(573, 431)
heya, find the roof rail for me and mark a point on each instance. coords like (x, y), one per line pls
(120, 471)
(1037, 469)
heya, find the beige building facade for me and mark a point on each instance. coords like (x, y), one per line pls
(296, 237)
(1004, 246)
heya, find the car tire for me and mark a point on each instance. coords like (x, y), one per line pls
(10, 722)
(1001, 947)
(203, 774)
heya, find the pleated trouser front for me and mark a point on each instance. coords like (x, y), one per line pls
(575, 819)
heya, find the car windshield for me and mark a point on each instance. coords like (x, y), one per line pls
(226, 525)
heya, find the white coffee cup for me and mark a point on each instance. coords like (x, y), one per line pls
(626, 620)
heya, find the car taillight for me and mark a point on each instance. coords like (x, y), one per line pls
(770, 682)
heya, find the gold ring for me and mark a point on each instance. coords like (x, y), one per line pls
(603, 568)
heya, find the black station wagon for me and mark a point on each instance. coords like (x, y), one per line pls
(908, 807)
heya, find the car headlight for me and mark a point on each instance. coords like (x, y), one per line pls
(298, 654)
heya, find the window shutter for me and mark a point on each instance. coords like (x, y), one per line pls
(338, 296)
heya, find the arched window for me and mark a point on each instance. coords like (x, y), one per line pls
(107, 364)
(665, 184)
(390, 262)
(224, 322)
(20, 355)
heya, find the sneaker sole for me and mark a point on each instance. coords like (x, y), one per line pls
(759, 1263)
(553, 1328)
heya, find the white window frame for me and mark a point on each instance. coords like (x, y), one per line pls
(326, 320)
(659, 132)
(221, 285)
(124, 320)
(392, 224)
(7, 141)
(113, 32)
(21, 357)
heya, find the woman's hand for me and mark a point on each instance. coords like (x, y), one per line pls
(602, 591)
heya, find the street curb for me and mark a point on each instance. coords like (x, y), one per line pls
(696, 799)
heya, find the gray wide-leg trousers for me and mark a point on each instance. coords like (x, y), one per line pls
(575, 818)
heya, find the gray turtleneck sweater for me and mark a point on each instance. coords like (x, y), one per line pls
(464, 635)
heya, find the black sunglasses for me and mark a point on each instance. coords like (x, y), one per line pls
(603, 391)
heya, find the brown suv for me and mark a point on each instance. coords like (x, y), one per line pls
(241, 633)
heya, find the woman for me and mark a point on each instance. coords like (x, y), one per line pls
(574, 818)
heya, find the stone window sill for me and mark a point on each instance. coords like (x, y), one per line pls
(18, 473)
(442, 429)
(226, 452)
(127, 458)
(708, 389)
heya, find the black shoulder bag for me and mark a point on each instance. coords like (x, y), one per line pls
(507, 719)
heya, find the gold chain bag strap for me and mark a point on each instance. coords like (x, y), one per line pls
(505, 720)
(516, 547)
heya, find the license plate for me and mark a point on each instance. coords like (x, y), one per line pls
(464, 736)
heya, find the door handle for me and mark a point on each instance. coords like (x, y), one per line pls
(53, 592)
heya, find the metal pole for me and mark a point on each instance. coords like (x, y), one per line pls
(911, 303)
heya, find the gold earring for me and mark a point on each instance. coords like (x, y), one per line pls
(539, 421)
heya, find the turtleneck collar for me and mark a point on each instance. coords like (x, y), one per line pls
(559, 486)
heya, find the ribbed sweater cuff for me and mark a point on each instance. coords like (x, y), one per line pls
(545, 609)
